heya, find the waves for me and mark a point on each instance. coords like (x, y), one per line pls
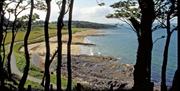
(89, 50)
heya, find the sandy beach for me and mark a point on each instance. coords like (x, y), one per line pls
(77, 41)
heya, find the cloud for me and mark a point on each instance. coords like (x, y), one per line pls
(82, 12)
(94, 14)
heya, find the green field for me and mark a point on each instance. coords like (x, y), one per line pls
(36, 33)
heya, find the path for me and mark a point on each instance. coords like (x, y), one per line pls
(16, 71)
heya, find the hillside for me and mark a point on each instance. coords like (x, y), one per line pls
(85, 24)
(81, 24)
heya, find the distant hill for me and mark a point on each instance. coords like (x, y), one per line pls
(81, 24)
(85, 24)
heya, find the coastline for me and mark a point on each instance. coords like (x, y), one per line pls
(96, 78)
(77, 41)
(94, 71)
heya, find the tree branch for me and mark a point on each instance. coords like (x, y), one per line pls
(162, 37)
(24, 8)
(52, 58)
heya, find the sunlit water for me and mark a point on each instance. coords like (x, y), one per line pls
(121, 43)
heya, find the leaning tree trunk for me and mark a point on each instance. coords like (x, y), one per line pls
(69, 84)
(26, 69)
(142, 74)
(46, 33)
(59, 39)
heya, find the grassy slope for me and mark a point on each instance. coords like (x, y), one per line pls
(37, 32)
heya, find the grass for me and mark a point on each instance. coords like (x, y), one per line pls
(34, 85)
(34, 34)
(37, 32)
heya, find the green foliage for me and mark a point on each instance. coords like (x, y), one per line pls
(125, 9)
(40, 5)
(34, 85)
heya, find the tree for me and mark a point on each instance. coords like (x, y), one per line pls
(167, 13)
(146, 14)
(1, 40)
(127, 11)
(26, 69)
(59, 40)
(46, 34)
(15, 29)
(176, 80)
(69, 84)
(142, 80)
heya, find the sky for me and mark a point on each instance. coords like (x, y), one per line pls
(85, 10)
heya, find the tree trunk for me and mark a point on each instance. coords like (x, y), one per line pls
(1, 28)
(166, 48)
(176, 80)
(14, 31)
(11, 47)
(165, 55)
(69, 84)
(46, 33)
(26, 69)
(1, 38)
(1, 23)
(164, 66)
(142, 72)
(59, 38)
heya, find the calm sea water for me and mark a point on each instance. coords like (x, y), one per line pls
(121, 43)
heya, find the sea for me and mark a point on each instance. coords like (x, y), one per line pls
(121, 43)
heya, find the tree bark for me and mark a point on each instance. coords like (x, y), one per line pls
(1, 38)
(176, 80)
(46, 33)
(165, 54)
(69, 84)
(1, 23)
(166, 47)
(11, 48)
(14, 31)
(142, 72)
(59, 38)
(164, 66)
(26, 69)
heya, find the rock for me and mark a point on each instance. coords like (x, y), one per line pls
(99, 72)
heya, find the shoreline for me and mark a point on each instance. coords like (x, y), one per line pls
(77, 41)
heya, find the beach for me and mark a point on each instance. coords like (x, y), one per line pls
(77, 41)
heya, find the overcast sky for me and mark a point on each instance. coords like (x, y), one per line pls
(85, 10)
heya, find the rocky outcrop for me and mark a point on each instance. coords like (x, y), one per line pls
(100, 72)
